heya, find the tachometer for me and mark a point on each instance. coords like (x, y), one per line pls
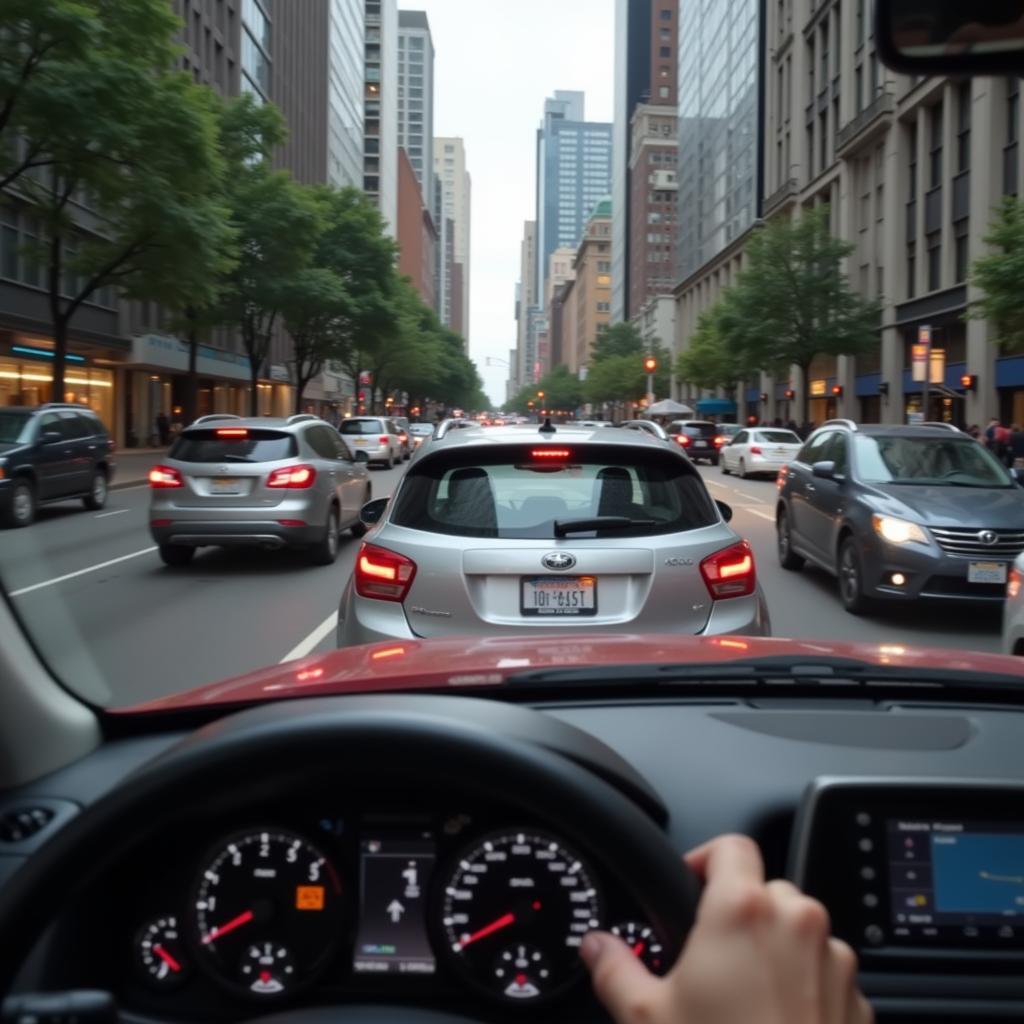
(266, 911)
(514, 912)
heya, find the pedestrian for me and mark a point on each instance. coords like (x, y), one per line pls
(990, 433)
(791, 425)
(1016, 458)
(777, 422)
(975, 431)
(1001, 443)
(163, 429)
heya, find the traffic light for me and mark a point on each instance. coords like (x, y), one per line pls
(650, 364)
(837, 390)
(790, 394)
(969, 382)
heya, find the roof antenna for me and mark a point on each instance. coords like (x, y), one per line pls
(547, 428)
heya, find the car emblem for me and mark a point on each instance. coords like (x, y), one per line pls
(558, 560)
(988, 537)
(225, 469)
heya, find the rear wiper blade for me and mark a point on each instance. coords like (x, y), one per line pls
(799, 670)
(563, 527)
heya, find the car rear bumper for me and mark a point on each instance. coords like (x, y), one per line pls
(269, 533)
(374, 452)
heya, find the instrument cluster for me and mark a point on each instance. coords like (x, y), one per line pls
(319, 905)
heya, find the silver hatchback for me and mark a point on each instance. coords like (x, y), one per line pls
(517, 530)
(262, 482)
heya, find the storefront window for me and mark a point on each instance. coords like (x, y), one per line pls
(31, 383)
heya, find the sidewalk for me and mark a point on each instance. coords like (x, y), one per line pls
(132, 465)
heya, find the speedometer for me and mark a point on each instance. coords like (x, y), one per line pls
(265, 911)
(515, 909)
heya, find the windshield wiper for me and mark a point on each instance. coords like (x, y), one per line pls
(236, 458)
(563, 527)
(801, 670)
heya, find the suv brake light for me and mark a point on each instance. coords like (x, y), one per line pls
(165, 476)
(383, 439)
(232, 432)
(383, 575)
(683, 439)
(731, 572)
(294, 477)
(720, 440)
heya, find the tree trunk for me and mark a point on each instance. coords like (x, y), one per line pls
(190, 400)
(301, 383)
(254, 377)
(60, 324)
(805, 394)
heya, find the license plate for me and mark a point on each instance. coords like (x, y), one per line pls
(225, 485)
(986, 572)
(700, 444)
(559, 595)
(360, 440)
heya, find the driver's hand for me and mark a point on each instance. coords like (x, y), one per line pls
(759, 953)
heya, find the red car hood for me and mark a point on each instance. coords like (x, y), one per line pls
(467, 662)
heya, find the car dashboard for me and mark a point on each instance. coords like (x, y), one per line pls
(905, 817)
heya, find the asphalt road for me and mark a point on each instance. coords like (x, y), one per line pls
(120, 627)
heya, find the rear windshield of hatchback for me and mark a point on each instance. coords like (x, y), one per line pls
(523, 495)
(361, 427)
(233, 444)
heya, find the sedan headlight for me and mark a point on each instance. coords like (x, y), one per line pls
(898, 531)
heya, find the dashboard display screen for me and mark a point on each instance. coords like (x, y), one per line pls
(956, 874)
(395, 876)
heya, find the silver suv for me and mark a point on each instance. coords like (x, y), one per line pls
(513, 530)
(262, 482)
(377, 436)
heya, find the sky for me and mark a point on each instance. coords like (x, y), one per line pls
(496, 63)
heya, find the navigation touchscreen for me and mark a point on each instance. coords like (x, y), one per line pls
(965, 877)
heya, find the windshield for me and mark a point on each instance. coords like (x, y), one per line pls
(289, 297)
(928, 461)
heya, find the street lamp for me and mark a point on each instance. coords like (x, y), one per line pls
(650, 368)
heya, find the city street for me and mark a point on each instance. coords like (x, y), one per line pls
(93, 587)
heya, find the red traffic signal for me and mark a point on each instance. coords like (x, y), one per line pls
(837, 390)
(790, 394)
(650, 364)
(969, 382)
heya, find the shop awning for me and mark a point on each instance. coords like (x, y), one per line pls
(716, 406)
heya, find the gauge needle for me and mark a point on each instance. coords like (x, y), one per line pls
(235, 922)
(639, 948)
(502, 922)
(167, 958)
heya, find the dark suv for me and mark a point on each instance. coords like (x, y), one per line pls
(51, 453)
(900, 512)
(700, 439)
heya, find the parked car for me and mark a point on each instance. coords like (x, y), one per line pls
(378, 436)
(899, 513)
(759, 450)
(648, 426)
(700, 439)
(1013, 609)
(511, 530)
(420, 432)
(51, 452)
(260, 482)
(402, 423)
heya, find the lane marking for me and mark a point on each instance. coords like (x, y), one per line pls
(755, 512)
(118, 512)
(81, 572)
(313, 640)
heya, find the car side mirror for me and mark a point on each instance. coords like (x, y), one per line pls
(825, 471)
(361, 456)
(949, 37)
(1018, 476)
(725, 509)
(373, 511)
(52, 437)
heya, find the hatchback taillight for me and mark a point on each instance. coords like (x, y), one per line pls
(165, 476)
(294, 477)
(755, 449)
(730, 573)
(383, 439)
(382, 574)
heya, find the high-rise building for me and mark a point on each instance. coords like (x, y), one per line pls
(417, 236)
(574, 166)
(560, 270)
(416, 97)
(646, 63)
(652, 207)
(380, 109)
(318, 86)
(450, 171)
(593, 283)
(526, 299)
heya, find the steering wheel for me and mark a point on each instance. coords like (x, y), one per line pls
(478, 747)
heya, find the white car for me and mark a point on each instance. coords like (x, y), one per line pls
(760, 450)
(1013, 610)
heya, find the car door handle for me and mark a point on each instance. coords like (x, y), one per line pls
(810, 488)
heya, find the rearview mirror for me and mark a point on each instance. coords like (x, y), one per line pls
(726, 510)
(824, 470)
(52, 437)
(926, 37)
(373, 511)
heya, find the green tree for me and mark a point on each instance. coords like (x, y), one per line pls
(562, 389)
(614, 378)
(999, 275)
(48, 51)
(710, 362)
(793, 302)
(621, 339)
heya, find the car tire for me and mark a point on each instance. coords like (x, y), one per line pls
(742, 471)
(851, 578)
(21, 509)
(713, 460)
(325, 550)
(725, 469)
(97, 496)
(391, 460)
(176, 554)
(359, 528)
(788, 558)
